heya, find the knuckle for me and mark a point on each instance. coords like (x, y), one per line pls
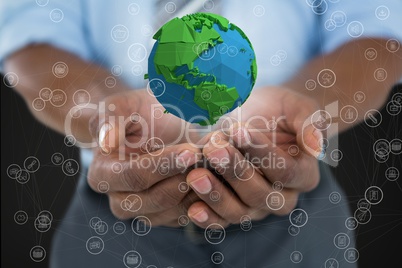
(257, 199)
(290, 204)
(134, 181)
(312, 181)
(117, 211)
(162, 199)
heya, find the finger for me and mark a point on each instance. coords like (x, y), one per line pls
(161, 197)
(297, 172)
(250, 186)
(202, 215)
(216, 195)
(302, 123)
(142, 171)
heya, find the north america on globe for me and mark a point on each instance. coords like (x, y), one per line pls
(201, 67)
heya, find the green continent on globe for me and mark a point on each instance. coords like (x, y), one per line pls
(181, 42)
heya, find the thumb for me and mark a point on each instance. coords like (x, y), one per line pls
(109, 137)
(309, 136)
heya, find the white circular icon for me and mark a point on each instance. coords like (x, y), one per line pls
(70, 167)
(141, 225)
(341, 240)
(275, 201)
(359, 97)
(355, 29)
(101, 228)
(116, 70)
(374, 195)
(133, 9)
(137, 52)
(156, 87)
(331, 263)
(351, 255)
(12, 171)
(81, 97)
(42, 3)
(244, 170)
(215, 233)
(370, 53)
(259, 10)
(119, 227)
(170, 7)
(214, 196)
(20, 217)
(183, 187)
(396, 146)
(335, 197)
(69, 140)
(246, 223)
(393, 45)
(217, 257)
(351, 223)
(183, 220)
(45, 94)
(103, 186)
(363, 204)
(349, 114)
(95, 245)
(60, 69)
(293, 230)
(310, 84)
(336, 155)
(298, 217)
(132, 203)
(392, 173)
(155, 146)
(58, 98)
(232, 51)
(393, 108)
(339, 17)
(57, 159)
(380, 74)
(42, 223)
(37, 253)
(296, 256)
(326, 78)
(208, 5)
(382, 12)
(38, 104)
(23, 176)
(321, 120)
(132, 259)
(330, 25)
(56, 15)
(362, 216)
(11, 79)
(373, 118)
(137, 70)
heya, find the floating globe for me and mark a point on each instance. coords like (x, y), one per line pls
(201, 67)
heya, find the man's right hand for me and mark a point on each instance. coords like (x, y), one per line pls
(142, 176)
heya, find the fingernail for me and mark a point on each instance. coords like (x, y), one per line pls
(186, 159)
(103, 135)
(201, 216)
(202, 185)
(319, 141)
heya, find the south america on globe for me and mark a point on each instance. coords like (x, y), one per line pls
(201, 67)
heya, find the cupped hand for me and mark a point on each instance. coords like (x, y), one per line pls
(265, 154)
(141, 173)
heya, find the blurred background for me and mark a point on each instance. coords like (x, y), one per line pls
(378, 242)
